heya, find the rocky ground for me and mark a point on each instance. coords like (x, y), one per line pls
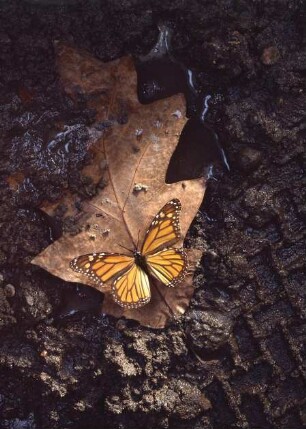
(235, 359)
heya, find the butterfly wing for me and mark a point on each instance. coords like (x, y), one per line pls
(132, 288)
(164, 229)
(101, 267)
(169, 266)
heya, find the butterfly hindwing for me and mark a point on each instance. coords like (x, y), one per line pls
(164, 229)
(102, 267)
(169, 266)
(132, 288)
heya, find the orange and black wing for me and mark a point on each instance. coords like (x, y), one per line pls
(102, 267)
(132, 288)
(169, 266)
(164, 229)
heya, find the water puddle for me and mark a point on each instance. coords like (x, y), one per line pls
(159, 76)
(79, 299)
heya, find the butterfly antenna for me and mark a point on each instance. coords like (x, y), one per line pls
(125, 248)
(137, 239)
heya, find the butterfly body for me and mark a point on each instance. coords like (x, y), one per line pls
(140, 261)
(156, 259)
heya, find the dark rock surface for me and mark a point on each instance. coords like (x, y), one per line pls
(62, 364)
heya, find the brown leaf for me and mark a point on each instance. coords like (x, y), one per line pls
(131, 156)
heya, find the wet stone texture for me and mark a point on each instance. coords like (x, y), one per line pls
(235, 359)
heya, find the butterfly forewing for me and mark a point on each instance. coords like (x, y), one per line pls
(169, 266)
(164, 229)
(132, 288)
(102, 267)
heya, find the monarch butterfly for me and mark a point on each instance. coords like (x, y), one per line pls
(130, 274)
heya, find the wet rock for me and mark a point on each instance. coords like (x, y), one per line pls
(179, 398)
(12, 357)
(6, 311)
(191, 401)
(25, 236)
(208, 330)
(248, 159)
(5, 42)
(260, 202)
(126, 366)
(37, 303)
(27, 423)
(48, 163)
(232, 48)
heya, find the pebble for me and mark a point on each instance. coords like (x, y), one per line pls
(270, 56)
(29, 299)
(249, 158)
(9, 290)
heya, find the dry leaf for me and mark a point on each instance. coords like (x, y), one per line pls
(131, 156)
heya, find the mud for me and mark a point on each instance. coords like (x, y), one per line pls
(235, 359)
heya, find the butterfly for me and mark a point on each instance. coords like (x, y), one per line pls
(130, 274)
